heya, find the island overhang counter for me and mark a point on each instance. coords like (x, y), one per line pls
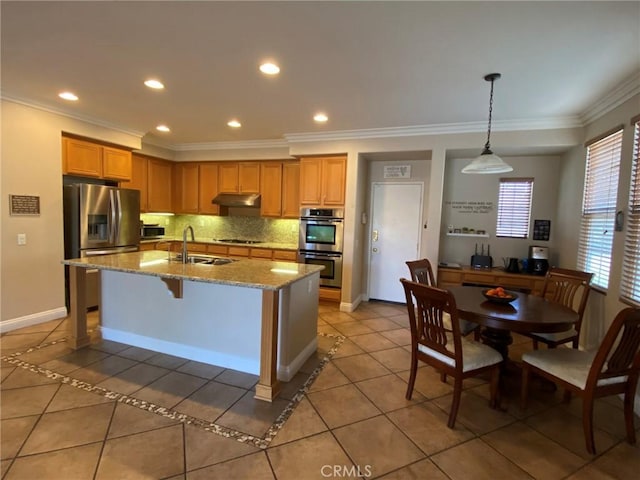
(256, 316)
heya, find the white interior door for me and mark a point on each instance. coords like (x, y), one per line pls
(396, 220)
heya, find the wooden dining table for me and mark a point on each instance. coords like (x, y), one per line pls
(528, 313)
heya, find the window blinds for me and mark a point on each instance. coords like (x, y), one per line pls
(630, 286)
(599, 207)
(514, 207)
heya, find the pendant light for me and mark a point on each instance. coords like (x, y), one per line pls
(488, 162)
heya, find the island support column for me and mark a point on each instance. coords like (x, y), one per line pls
(268, 386)
(78, 307)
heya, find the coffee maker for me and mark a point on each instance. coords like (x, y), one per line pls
(538, 262)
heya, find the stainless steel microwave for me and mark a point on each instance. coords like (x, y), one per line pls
(151, 231)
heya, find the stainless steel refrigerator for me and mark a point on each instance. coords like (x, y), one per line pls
(99, 220)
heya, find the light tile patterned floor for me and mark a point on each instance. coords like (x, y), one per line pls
(114, 411)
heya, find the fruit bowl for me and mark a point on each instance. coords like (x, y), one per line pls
(499, 295)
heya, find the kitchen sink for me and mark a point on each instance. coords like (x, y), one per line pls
(205, 259)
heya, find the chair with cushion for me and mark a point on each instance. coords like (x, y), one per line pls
(421, 272)
(563, 286)
(444, 348)
(612, 370)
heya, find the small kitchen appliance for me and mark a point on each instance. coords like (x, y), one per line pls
(538, 262)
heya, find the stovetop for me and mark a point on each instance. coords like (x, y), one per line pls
(236, 240)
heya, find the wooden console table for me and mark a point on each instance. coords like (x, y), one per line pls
(491, 277)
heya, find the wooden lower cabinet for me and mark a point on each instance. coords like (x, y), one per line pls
(494, 277)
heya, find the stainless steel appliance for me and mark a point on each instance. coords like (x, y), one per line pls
(538, 262)
(151, 231)
(331, 276)
(321, 229)
(99, 220)
(320, 242)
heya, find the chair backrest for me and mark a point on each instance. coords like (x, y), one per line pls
(561, 285)
(426, 306)
(619, 352)
(421, 272)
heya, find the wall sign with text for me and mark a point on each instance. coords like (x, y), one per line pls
(24, 205)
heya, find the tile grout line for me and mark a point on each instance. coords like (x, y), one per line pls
(212, 427)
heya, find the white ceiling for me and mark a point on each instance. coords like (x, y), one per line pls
(368, 65)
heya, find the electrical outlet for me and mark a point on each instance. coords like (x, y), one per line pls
(22, 239)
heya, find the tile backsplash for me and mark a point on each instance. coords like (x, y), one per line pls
(272, 230)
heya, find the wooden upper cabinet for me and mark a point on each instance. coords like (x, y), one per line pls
(208, 188)
(116, 163)
(291, 190)
(185, 193)
(242, 177)
(138, 179)
(80, 157)
(90, 159)
(271, 189)
(323, 181)
(159, 193)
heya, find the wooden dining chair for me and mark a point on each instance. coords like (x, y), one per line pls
(612, 370)
(443, 348)
(564, 286)
(421, 272)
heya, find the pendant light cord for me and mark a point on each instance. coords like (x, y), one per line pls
(487, 146)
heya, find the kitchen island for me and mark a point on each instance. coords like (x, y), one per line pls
(256, 316)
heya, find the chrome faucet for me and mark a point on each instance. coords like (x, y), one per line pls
(184, 242)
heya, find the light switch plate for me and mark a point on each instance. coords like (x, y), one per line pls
(22, 239)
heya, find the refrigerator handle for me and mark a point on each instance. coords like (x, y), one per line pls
(112, 217)
(119, 216)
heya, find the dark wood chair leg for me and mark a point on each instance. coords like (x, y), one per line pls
(566, 396)
(587, 423)
(455, 404)
(412, 376)
(443, 377)
(629, 397)
(524, 392)
(535, 344)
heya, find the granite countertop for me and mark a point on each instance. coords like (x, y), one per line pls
(262, 274)
(272, 245)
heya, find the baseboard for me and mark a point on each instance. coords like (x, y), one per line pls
(32, 319)
(286, 372)
(192, 353)
(350, 307)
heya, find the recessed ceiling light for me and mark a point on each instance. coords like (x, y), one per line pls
(155, 84)
(163, 128)
(320, 117)
(234, 124)
(68, 96)
(270, 68)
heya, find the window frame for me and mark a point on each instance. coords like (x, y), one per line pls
(515, 198)
(599, 204)
(630, 281)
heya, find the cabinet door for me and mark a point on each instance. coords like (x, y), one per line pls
(159, 192)
(116, 163)
(81, 158)
(138, 179)
(249, 177)
(271, 189)
(310, 181)
(334, 174)
(208, 188)
(291, 190)
(186, 194)
(228, 177)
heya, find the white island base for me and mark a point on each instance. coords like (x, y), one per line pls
(212, 323)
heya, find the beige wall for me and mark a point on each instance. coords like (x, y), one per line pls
(461, 187)
(602, 306)
(32, 276)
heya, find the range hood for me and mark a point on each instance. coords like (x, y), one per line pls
(237, 200)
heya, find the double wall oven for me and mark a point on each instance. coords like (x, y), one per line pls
(320, 242)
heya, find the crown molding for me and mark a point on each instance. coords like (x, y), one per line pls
(437, 129)
(618, 96)
(235, 145)
(74, 116)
